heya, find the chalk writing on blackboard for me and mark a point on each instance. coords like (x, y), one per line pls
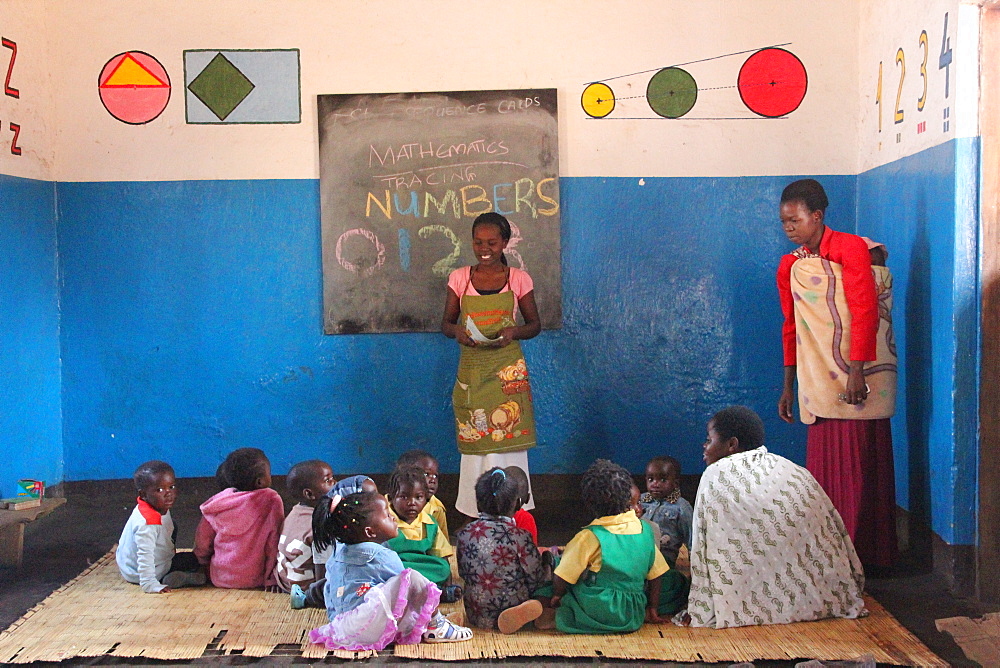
(402, 177)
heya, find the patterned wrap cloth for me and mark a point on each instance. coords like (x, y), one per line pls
(823, 343)
(768, 547)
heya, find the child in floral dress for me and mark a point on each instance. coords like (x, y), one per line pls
(498, 560)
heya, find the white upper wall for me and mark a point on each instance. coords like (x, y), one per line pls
(25, 27)
(890, 33)
(396, 46)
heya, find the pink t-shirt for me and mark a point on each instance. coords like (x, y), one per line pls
(519, 283)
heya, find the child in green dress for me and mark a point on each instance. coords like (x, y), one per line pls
(429, 463)
(421, 545)
(608, 579)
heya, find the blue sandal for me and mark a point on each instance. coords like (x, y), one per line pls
(297, 598)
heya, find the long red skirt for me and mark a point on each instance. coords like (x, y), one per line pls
(852, 460)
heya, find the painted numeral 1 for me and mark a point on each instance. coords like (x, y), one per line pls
(878, 96)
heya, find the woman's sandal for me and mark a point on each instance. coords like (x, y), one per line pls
(445, 630)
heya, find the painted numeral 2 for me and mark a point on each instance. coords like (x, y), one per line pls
(901, 61)
(7, 88)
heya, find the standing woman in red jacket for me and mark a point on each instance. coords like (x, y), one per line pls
(847, 379)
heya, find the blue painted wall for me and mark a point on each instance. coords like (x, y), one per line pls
(923, 207)
(192, 326)
(30, 415)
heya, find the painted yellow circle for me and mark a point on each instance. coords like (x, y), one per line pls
(598, 100)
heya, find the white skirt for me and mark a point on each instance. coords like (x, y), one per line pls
(474, 466)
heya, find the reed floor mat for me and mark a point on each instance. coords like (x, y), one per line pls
(97, 614)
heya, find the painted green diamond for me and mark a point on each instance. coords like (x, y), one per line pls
(221, 86)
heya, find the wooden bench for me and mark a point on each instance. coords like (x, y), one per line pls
(12, 530)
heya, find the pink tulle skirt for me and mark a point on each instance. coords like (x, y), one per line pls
(396, 611)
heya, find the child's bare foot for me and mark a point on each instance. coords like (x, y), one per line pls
(547, 620)
(512, 619)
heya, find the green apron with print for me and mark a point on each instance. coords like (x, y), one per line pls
(413, 554)
(612, 600)
(492, 395)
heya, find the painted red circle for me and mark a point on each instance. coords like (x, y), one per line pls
(772, 82)
(134, 87)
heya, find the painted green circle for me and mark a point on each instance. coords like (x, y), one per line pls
(671, 92)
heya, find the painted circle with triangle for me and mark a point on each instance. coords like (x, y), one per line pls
(134, 87)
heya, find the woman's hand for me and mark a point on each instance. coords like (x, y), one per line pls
(507, 336)
(554, 601)
(857, 391)
(787, 399)
(463, 337)
(785, 403)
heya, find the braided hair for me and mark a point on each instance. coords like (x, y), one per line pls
(606, 488)
(497, 493)
(413, 458)
(344, 522)
(406, 476)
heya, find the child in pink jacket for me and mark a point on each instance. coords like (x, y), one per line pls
(237, 538)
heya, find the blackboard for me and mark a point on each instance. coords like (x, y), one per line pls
(402, 177)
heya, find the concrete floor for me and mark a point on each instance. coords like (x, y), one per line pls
(62, 544)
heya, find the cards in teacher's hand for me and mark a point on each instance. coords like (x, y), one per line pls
(476, 335)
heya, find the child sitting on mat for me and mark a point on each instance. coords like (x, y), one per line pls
(498, 560)
(372, 600)
(674, 585)
(429, 464)
(664, 506)
(311, 595)
(522, 517)
(420, 543)
(146, 555)
(608, 578)
(308, 483)
(237, 537)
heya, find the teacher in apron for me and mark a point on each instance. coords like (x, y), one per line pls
(494, 416)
